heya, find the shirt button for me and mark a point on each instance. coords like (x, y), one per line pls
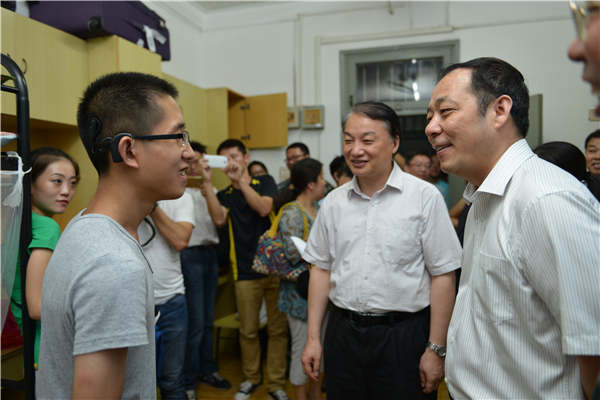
(366, 278)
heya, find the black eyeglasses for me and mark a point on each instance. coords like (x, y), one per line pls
(183, 136)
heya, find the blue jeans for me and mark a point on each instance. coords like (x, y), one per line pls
(200, 275)
(173, 324)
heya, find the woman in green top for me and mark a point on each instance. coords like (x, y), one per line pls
(54, 175)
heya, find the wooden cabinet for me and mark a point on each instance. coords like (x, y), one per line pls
(258, 121)
(192, 101)
(114, 54)
(55, 65)
(58, 66)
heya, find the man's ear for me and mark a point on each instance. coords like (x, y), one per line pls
(128, 152)
(501, 108)
(396, 142)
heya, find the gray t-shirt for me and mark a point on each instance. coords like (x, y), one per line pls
(97, 295)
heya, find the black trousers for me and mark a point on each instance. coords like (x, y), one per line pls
(375, 361)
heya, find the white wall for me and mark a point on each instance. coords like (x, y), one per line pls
(252, 50)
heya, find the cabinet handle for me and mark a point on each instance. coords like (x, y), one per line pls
(245, 106)
(245, 137)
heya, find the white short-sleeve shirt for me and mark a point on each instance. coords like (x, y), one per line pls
(382, 250)
(205, 231)
(164, 259)
(529, 297)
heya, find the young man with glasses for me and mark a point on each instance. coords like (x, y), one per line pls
(293, 153)
(97, 302)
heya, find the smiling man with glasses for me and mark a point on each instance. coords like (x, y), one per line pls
(97, 302)
(293, 153)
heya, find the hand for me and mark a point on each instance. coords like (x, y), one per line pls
(234, 171)
(204, 169)
(200, 174)
(431, 370)
(311, 359)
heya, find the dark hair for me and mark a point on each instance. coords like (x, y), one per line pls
(303, 148)
(593, 135)
(338, 166)
(260, 164)
(116, 103)
(303, 172)
(378, 112)
(491, 78)
(229, 143)
(44, 156)
(564, 155)
(197, 146)
(413, 154)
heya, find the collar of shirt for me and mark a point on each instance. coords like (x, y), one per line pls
(497, 180)
(395, 180)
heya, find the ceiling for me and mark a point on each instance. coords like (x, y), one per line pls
(211, 6)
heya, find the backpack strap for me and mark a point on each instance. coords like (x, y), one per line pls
(305, 220)
(275, 223)
(232, 254)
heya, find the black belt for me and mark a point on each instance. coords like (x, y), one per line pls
(363, 319)
(204, 246)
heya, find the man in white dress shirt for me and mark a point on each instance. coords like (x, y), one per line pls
(527, 317)
(164, 235)
(384, 252)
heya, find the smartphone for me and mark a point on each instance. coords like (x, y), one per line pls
(216, 161)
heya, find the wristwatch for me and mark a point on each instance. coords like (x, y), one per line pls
(439, 350)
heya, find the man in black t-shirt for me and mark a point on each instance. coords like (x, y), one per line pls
(249, 202)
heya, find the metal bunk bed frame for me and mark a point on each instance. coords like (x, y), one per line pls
(23, 149)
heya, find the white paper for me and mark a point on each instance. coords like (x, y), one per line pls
(300, 245)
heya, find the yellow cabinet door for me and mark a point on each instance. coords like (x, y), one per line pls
(260, 121)
(55, 65)
(267, 124)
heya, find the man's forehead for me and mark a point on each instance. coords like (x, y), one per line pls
(361, 134)
(458, 79)
(451, 86)
(231, 150)
(295, 150)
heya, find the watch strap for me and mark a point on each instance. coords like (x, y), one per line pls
(439, 350)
